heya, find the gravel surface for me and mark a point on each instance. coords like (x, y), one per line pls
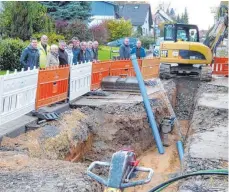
(207, 146)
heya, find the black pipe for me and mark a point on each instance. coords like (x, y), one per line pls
(185, 176)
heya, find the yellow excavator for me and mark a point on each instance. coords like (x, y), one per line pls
(182, 53)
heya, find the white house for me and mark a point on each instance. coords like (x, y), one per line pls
(140, 16)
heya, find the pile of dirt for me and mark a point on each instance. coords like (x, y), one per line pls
(57, 140)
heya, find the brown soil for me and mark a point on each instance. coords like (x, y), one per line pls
(163, 165)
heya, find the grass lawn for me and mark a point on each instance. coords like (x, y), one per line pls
(104, 52)
(2, 72)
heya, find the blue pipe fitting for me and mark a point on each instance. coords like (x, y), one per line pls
(180, 150)
(149, 111)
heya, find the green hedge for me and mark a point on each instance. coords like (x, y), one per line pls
(10, 52)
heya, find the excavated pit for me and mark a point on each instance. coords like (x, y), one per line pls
(43, 158)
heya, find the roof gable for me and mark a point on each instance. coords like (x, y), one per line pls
(135, 12)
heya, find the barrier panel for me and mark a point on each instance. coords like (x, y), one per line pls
(123, 68)
(150, 68)
(99, 71)
(17, 94)
(52, 85)
(220, 66)
(80, 80)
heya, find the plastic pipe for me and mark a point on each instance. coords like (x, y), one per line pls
(149, 111)
(180, 150)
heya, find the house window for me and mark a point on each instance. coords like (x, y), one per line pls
(143, 30)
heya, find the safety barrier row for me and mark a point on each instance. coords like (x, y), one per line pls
(149, 68)
(25, 91)
(220, 66)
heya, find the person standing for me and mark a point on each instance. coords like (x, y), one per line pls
(139, 50)
(90, 50)
(124, 50)
(69, 51)
(84, 55)
(44, 49)
(63, 56)
(95, 50)
(53, 56)
(30, 55)
(76, 49)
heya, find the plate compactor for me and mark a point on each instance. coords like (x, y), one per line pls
(123, 168)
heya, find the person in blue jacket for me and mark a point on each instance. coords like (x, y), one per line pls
(30, 55)
(139, 50)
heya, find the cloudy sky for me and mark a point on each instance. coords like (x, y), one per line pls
(199, 10)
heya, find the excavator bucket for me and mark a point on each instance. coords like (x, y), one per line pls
(116, 83)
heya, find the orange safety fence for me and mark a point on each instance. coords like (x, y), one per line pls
(99, 71)
(150, 68)
(52, 85)
(123, 68)
(220, 66)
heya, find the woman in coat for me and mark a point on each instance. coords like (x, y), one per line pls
(53, 56)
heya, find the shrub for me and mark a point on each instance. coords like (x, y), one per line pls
(78, 29)
(119, 28)
(99, 33)
(147, 41)
(10, 52)
(53, 37)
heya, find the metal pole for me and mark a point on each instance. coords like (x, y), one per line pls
(147, 105)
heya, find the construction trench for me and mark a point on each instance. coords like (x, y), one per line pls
(55, 157)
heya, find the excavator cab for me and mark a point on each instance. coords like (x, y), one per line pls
(182, 53)
(181, 32)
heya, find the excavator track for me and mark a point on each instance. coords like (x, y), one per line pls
(165, 71)
(205, 73)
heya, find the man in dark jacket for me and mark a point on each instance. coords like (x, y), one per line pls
(124, 50)
(75, 49)
(95, 50)
(30, 55)
(63, 55)
(84, 55)
(139, 50)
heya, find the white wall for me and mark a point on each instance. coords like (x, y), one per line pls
(145, 26)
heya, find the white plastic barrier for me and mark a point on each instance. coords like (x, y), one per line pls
(17, 94)
(80, 80)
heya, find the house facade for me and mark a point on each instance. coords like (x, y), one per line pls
(140, 16)
(102, 10)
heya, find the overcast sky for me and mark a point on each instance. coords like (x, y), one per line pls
(199, 10)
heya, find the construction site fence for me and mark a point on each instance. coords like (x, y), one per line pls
(24, 91)
(220, 66)
(149, 68)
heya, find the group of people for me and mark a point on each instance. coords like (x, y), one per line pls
(42, 55)
(125, 51)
